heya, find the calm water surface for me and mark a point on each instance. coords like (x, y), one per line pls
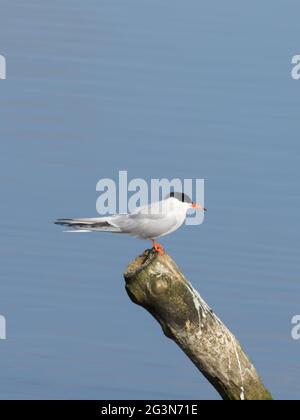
(161, 89)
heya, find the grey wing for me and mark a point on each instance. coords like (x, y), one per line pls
(147, 226)
(142, 224)
(100, 224)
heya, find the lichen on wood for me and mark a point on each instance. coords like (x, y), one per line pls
(155, 282)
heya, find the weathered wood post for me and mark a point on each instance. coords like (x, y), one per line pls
(155, 282)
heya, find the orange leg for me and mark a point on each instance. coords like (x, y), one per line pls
(158, 248)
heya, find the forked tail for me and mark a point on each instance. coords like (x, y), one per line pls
(100, 224)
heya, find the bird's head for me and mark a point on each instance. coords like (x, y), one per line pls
(185, 201)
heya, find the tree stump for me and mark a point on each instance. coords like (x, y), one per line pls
(155, 282)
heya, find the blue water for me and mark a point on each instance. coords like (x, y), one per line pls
(161, 89)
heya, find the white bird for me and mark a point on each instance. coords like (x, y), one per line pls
(147, 222)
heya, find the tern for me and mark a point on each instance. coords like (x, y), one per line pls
(147, 222)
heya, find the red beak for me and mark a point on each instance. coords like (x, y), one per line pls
(197, 206)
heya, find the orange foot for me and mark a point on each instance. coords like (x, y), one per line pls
(158, 248)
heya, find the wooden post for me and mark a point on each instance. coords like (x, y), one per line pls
(155, 282)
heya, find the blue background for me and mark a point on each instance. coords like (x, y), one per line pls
(198, 89)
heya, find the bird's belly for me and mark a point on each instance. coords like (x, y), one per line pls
(158, 228)
(150, 226)
(179, 222)
(151, 231)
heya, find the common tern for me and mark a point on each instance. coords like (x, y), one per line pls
(146, 222)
